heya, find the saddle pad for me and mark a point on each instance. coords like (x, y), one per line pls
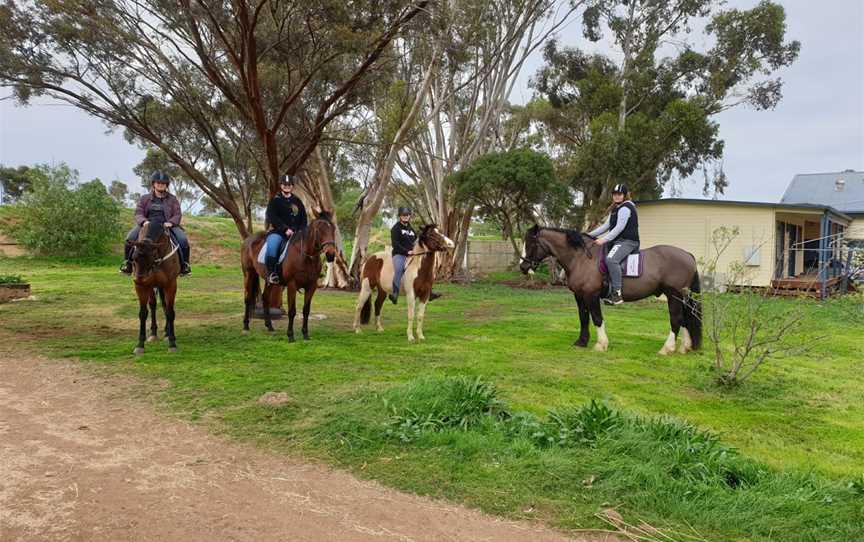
(262, 254)
(631, 267)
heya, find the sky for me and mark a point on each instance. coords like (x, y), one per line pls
(817, 127)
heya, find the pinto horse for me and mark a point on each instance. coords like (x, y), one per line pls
(667, 270)
(300, 269)
(417, 280)
(155, 268)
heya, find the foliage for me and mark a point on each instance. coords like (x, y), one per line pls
(652, 117)
(509, 187)
(62, 217)
(12, 279)
(181, 78)
(119, 191)
(436, 404)
(15, 181)
(746, 329)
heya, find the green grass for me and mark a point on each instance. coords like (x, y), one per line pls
(779, 458)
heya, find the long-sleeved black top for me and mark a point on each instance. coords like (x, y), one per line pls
(402, 237)
(285, 213)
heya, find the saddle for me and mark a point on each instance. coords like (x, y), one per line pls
(283, 250)
(630, 267)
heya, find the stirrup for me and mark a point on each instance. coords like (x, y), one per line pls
(126, 268)
(185, 270)
(273, 278)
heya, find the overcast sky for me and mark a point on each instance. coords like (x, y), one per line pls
(817, 127)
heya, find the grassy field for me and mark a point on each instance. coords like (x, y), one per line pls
(783, 459)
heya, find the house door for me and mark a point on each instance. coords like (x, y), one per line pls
(780, 250)
(793, 233)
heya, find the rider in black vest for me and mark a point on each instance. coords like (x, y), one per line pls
(285, 216)
(622, 231)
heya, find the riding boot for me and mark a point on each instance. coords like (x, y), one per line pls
(127, 263)
(185, 268)
(394, 296)
(433, 296)
(272, 265)
(615, 298)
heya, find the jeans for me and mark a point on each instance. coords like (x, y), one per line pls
(398, 270)
(274, 240)
(617, 254)
(177, 234)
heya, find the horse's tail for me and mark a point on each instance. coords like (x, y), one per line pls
(693, 312)
(366, 312)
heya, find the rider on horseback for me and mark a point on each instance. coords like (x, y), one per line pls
(286, 215)
(159, 206)
(622, 230)
(402, 238)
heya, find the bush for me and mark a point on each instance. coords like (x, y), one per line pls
(63, 218)
(437, 404)
(11, 279)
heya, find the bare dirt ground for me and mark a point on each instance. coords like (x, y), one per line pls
(81, 460)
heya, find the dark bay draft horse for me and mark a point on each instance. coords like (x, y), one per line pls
(300, 269)
(417, 280)
(667, 270)
(155, 268)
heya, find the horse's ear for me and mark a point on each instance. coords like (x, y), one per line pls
(325, 215)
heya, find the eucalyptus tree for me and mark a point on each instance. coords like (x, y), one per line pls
(191, 77)
(488, 42)
(652, 114)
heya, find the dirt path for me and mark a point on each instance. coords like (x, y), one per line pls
(81, 461)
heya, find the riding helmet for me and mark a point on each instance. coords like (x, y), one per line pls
(159, 176)
(290, 180)
(404, 211)
(620, 188)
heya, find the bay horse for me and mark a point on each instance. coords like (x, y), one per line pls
(417, 280)
(300, 269)
(668, 270)
(155, 268)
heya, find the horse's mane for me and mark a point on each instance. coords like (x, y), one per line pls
(574, 237)
(154, 231)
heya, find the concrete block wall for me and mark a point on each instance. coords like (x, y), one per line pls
(489, 256)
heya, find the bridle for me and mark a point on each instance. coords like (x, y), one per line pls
(535, 263)
(157, 262)
(318, 248)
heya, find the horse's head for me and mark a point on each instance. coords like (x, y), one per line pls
(323, 235)
(536, 250)
(145, 251)
(433, 240)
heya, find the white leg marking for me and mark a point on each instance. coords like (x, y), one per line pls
(669, 345)
(365, 292)
(378, 322)
(410, 299)
(686, 341)
(602, 340)
(421, 313)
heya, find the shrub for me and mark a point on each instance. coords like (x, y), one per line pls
(11, 279)
(63, 218)
(437, 404)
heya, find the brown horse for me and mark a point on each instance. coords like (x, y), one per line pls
(667, 270)
(155, 268)
(300, 269)
(417, 280)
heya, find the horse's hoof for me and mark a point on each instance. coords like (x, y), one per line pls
(172, 349)
(421, 338)
(380, 330)
(152, 338)
(411, 339)
(291, 339)
(138, 350)
(600, 347)
(581, 344)
(306, 338)
(245, 332)
(270, 329)
(357, 331)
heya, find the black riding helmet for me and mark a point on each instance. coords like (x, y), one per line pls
(404, 211)
(620, 188)
(159, 176)
(290, 180)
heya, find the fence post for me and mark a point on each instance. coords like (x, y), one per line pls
(823, 249)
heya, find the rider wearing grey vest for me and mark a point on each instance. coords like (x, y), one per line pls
(622, 230)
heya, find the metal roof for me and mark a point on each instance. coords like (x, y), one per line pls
(813, 206)
(843, 190)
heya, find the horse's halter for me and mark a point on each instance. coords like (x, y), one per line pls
(156, 262)
(318, 248)
(532, 262)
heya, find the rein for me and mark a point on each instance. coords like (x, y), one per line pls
(158, 261)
